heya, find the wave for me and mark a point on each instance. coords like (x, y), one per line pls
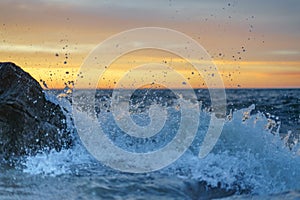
(249, 157)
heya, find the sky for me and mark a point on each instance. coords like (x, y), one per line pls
(254, 44)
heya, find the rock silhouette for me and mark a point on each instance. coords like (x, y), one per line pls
(29, 123)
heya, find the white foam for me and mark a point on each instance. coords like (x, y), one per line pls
(57, 163)
(247, 156)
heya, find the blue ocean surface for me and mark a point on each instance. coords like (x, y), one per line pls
(256, 157)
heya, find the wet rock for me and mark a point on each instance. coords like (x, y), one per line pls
(29, 123)
(202, 190)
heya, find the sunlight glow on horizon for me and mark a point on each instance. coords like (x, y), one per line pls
(49, 67)
(254, 45)
(260, 77)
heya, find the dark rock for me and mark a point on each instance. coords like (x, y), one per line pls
(202, 190)
(29, 123)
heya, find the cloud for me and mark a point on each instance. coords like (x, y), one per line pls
(285, 52)
(20, 48)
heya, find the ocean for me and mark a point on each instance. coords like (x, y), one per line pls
(257, 155)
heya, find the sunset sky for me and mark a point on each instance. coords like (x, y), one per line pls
(254, 43)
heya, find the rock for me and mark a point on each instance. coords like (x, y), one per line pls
(29, 123)
(202, 190)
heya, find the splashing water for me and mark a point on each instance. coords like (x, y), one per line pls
(249, 157)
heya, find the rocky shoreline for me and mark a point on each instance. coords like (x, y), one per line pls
(29, 123)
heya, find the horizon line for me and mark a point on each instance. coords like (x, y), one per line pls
(225, 88)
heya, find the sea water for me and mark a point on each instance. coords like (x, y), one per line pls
(257, 155)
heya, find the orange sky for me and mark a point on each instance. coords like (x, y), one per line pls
(253, 44)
